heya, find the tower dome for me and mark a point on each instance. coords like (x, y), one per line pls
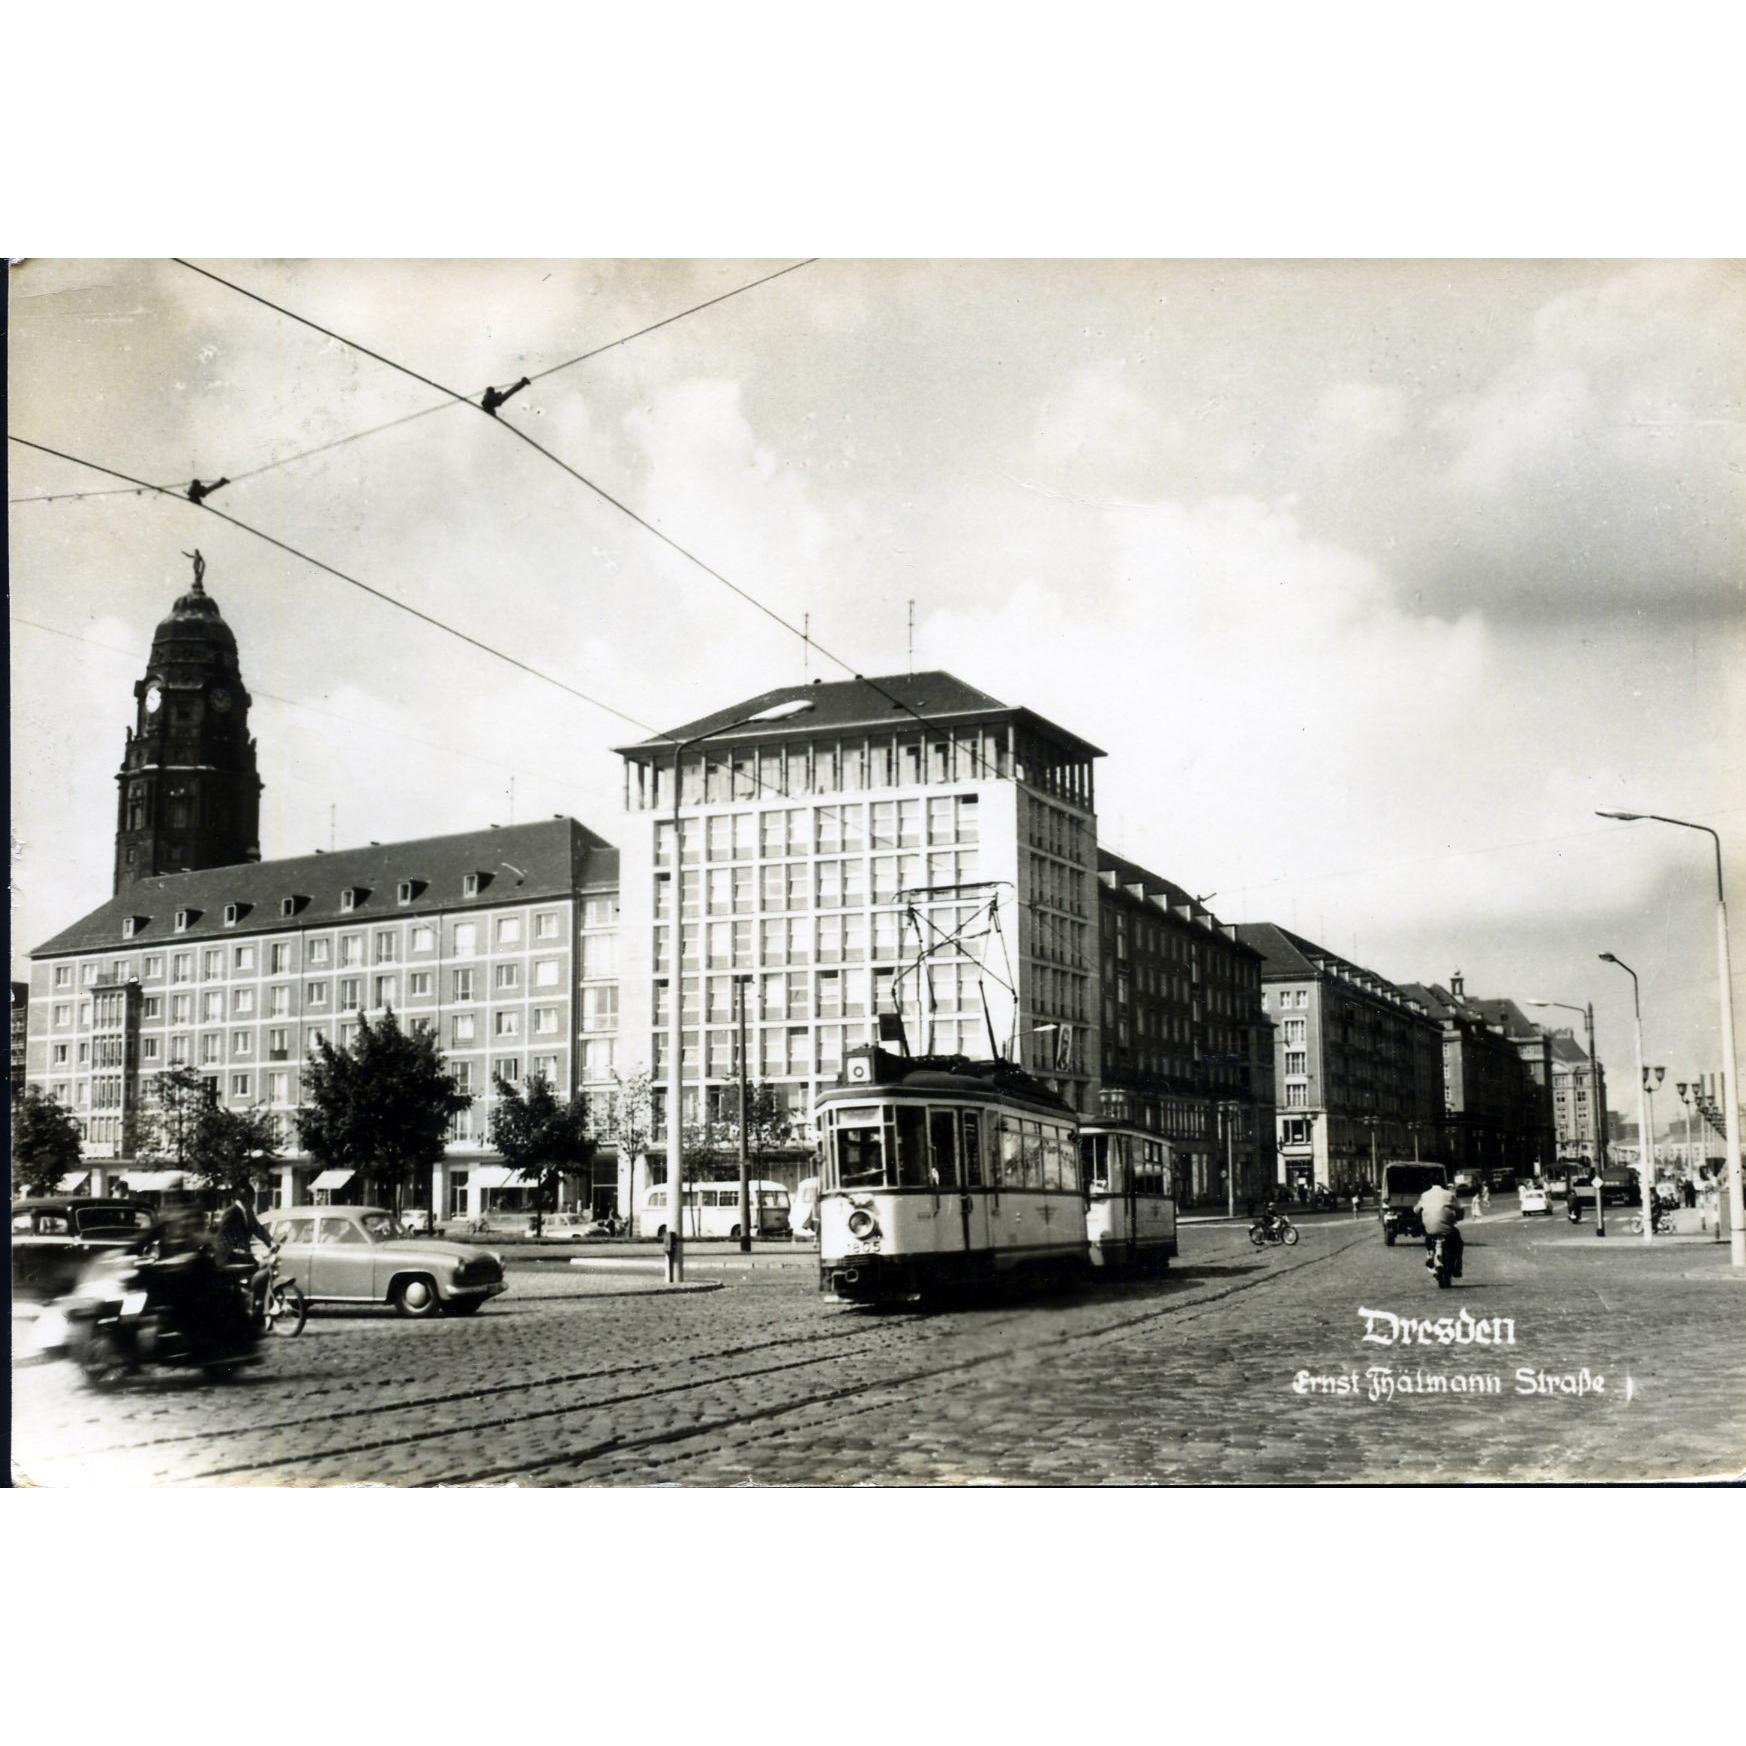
(190, 796)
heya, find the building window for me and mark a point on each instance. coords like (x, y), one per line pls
(287, 908)
(545, 1021)
(351, 993)
(507, 976)
(508, 1024)
(546, 925)
(351, 949)
(244, 1002)
(469, 884)
(509, 930)
(464, 1029)
(182, 919)
(348, 900)
(242, 1043)
(386, 947)
(387, 990)
(424, 939)
(418, 984)
(230, 915)
(243, 958)
(278, 1044)
(127, 925)
(280, 959)
(317, 996)
(600, 912)
(463, 985)
(240, 1084)
(466, 939)
(148, 1048)
(546, 973)
(507, 1067)
(403, 891)
(279, 1088)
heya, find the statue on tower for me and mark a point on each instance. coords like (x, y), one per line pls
(199, 569)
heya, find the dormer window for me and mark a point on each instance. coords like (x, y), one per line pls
(349, 899)
(128, 924)
(289, 906)
(470, 884)
(407, 889)
(230, 915)
(183, 918)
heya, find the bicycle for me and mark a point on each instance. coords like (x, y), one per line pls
(1663, 1223)
(284, 1308)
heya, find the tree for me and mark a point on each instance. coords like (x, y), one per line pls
(164, 1132)
(46, 1144)
(233, 1150)
(628, 1122)
(542, 1139)
(383, 1105)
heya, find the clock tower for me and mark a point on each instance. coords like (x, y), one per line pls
(189, 793)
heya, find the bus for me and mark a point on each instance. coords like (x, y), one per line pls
(712, 1209)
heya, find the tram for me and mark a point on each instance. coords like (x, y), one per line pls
(1130, 1201)
(940, 1172)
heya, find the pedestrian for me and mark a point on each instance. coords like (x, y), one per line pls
(1355, 1200)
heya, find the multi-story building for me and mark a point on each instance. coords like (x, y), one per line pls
(858, 865)
(1357, 1064)
(499, 941)
(1493, 1112)
(1536, 1119)
(1579, 1100)
(20, 1024)
(1187, 1049)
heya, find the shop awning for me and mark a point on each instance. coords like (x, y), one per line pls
(495, 1176)
(74, 1181)
(333, 1179)
(151, 1181)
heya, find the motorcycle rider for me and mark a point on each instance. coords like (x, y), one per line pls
(1269, 1218)
(238, 1230)
(1439, 1209)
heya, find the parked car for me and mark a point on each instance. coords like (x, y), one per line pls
(573, 1228)
(358, 1254)
(418, 1221)
(1534, 1197)
(53, 1239)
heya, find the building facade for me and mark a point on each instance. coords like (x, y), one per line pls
(853, 865)
(1357, 1063)
(1187, 1049)
(20, 1032)
(1579, 1101)
(1495, 1116)
(501, 942)
(188, 793)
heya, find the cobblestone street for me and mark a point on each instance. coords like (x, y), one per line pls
(1217, 1373)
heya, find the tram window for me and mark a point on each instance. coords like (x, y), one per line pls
(943, 1143)
(1033, 1132)
(972, 1149)
(860, 1156)
(912, 1146)
(1051, 1156)
(1093, 1161)
(1069, 1162)
(1011, 1163)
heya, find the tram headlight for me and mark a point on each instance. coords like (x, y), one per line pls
(862, 1224)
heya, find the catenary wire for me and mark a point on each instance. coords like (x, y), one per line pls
(442, 405)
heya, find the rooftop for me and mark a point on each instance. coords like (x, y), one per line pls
(516, 864)
(1118, 873)
(839, 705)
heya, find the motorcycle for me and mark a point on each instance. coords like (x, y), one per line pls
(133, 1309)
(1441, 1261)
(1279, 1230)
(1663, 1222)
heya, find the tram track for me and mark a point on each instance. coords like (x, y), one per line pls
(832, 1397)
(862, 1338)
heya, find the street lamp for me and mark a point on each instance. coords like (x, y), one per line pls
(1730, 1086)
(1652, 1078)
(1594, 1109)
(740, 981)
(676, 996)
(1645, 1171)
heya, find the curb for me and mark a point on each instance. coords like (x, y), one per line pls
(661, 1290)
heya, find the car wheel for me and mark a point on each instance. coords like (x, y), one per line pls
(660, 1233)
(734, 1232)
(416, 1297)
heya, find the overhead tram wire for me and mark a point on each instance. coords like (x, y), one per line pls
(581, 479)
(441, 405)
(331, 570)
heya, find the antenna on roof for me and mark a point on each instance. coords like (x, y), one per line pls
(512, 800)
(331, 811)
(912, 636)
(806, 645)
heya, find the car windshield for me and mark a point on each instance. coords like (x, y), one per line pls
(379, 1227)
(113, 1218)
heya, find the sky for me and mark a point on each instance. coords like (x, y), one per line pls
(1373, 580)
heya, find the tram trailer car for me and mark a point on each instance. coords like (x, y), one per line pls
(1130, 1211)
(940, 1173)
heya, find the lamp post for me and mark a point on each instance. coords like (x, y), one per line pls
(1600, 1217)
(1652, 1078)
(1645, 1171)
(740, 982)
(1730, 1083)
(1685, 1090)
(676, 995)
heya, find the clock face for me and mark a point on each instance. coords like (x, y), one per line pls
(221, 700)
(154, 698)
